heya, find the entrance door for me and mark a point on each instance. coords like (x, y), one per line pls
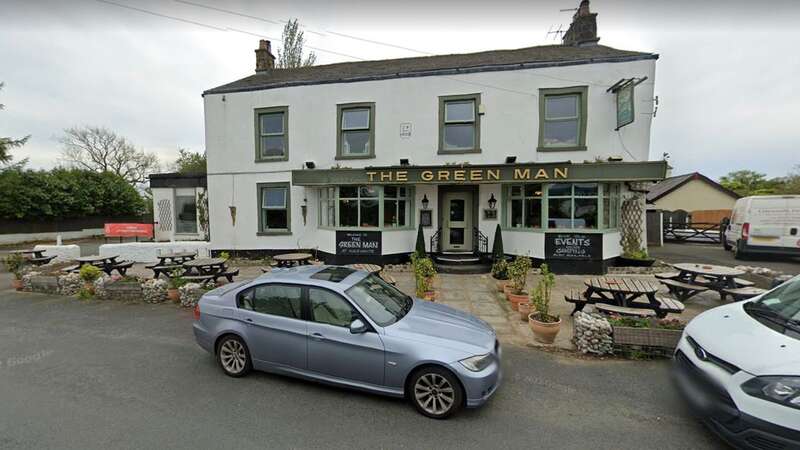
(457, 227)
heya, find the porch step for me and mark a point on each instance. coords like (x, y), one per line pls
(463, 262)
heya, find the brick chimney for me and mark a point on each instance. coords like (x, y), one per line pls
(582, 31)
(265, 60)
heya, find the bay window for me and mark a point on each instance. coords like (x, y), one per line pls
(585, 206)
(366, 207)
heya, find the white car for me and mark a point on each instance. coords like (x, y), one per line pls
(765, 225)
(739, 367)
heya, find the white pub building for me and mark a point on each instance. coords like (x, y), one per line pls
(551, 143)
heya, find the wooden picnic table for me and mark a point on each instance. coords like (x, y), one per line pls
(33, 256)
(714, 277)
(205, 266)
(371, 268)
(292, 259)
(623, 295)
(175, 258)
(105, 263)
(28, 252)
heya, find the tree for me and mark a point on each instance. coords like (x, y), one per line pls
(419, 250)
(7, 143)
(497, 246)
(791, 184)
(190, 162)
(749, 182)
(291, 55)
(102, 150)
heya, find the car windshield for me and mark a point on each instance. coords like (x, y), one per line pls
(382, 302)
(781, 306)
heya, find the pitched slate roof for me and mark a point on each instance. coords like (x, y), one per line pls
(522, 58)
(670, 184)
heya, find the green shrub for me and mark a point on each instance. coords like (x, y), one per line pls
(14, 263)
(419, 249)
(225, 255)
(176, 279)
(518, 273)
(90, 273)
(424, 271)
(540, 296)
(500, 269)
(497, 246)
(644, 322)
(85, 294)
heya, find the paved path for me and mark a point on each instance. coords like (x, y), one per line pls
(86, 375)
(715, 254)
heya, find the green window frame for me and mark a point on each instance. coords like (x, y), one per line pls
(345, 130)
(263, 134)
(550, 118)
(588, 206)
(447, 122)
(274, 212)
(392, 201)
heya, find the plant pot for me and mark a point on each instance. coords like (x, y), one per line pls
(542, 331)
(89, 286)
(173, 294)
(16, 284)
(524, 309)
(631, 262)
(501, 284)
(507, 289)
(516, 299)
(429, 296)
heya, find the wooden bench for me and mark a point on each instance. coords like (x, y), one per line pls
(165, 269)
(41, 260)
(71, 269)
(669, 305)
(667, 275)
(388, 278)
(202, 279)
(741, 282)
(228, 274)
(743, 293)
(683, 290)
(623, 311)
(122, 267)
(576, 297)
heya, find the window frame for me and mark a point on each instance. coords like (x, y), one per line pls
(258, 112)
(260, 198)
(340, 109)
(322, 211)
(605, 190)
(344, 298)
(303, 299)
(176, 214)
(583, 99)
(443, 100)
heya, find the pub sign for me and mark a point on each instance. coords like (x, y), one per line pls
(358, 243)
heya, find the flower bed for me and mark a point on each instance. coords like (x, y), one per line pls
(121, 289)
(636, 337)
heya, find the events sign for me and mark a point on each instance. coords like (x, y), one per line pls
(574, 246)
(358, 243)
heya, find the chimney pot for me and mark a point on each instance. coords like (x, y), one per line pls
(582, 31)
(265, 60)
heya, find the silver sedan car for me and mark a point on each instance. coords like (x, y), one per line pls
(349, 328)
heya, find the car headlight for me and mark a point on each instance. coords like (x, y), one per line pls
(477, 363)
(779, 389)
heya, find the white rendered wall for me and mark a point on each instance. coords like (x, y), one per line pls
(149, 251)
(19, 238)
(63, 253)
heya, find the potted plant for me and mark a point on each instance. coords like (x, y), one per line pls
(518, 275)
(424, 271)
(14, 263)
(653, 337)
(524, 309)
(419, 247)
(175, 282)
(89, 274)
(545, 326)
(500, 273)
(633, 254)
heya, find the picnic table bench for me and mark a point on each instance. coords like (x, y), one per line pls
(743, 293)
(682, 290)
(292, 259)
(708, 276)
(624, 294)
(214, 268)
(107, 264)
(33, 256)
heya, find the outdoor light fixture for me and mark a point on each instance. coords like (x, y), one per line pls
(403, 161)
(511, 159)
(425, 201)
(492, 202)
(310, 165)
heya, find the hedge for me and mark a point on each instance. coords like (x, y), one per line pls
(65, 193)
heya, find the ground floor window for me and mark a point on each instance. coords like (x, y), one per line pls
(273, 202)
(365, 207)
(185, 211)
(587, 206)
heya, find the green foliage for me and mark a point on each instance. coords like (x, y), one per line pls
(7, 143)
(225, 255)
(419, 249)
(424, 271)
(497, 246)
(518, 273)
(291, 55)
(643, 322)
(500, 269)
(749, 182)
(85, 294)
(89, 273)
(14, 262)
(65, 193)
(541, 295)
(632, 253)
(190, 162)
(176, 279)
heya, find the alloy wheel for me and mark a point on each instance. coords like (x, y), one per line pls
(232, 355)
(434, 394)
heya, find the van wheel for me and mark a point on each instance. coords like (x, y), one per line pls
(725, 244)
(737, 253)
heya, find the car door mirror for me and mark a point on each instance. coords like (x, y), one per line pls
(358, 326)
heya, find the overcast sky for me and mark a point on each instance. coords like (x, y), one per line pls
(726, 79)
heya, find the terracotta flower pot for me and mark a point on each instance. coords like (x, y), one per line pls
(16, 284)
(501, 285)
(173, 294)
(507, 289)
(544, 332)
(430, 296)
(524, 309)
(516, 299)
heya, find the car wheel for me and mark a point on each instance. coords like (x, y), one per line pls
(436, 393)
(233, 356)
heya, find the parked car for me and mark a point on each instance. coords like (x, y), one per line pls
(345, 327)
(768, 225)
(739, 367)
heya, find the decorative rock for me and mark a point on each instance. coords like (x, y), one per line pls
(70, 284)
(154, 291)
(592, 334)
(190, 294)
(100, 286)
(26, 280)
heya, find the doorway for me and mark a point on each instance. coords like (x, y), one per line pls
(457, 223)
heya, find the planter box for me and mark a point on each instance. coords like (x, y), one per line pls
(123, 290)
(650, 341)
(45, 284)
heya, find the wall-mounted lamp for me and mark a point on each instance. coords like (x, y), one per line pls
(492, 202)
(425, 201)
(511, 159)
(403, 161)
(310, 165)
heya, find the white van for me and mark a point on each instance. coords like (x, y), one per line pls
(768, 224)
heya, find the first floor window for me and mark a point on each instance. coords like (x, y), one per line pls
(587, 206)
(274, 205)
(185, 211)
(272, 141)
(356, 131)
(458, 123)
(365, 206)
(562, 118)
